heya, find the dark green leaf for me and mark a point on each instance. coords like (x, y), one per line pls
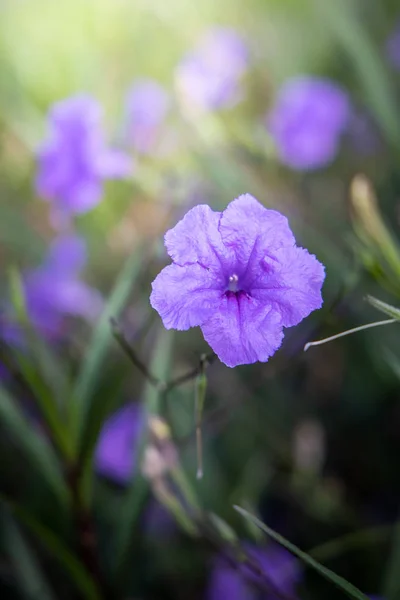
(38, 453)
(340, 582)
(29, 579)
(59, 551)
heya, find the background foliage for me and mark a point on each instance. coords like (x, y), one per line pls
(308, 441)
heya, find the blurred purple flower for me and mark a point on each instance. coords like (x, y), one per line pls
(147, 106)
(307, 121)
(74, 160)
(117, 446)
(116, 458)
(209, 77)
(54, 290)
(239, 276)
(393, 47)
(279, 567)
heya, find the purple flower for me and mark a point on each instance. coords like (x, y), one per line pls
(147, 107)
(54, 290)
(239, 276)
(209, 78)
(279, 567)
(117, 446)
(393, 47)
(74, 160)
(307, 122)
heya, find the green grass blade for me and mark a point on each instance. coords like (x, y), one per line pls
(83, 393)
(374, 78)
(385, 308)
(138, 489)
(349, 589)
(41, 370)
(29, 579)
(46, 403)
(38, 453)
(57, 550)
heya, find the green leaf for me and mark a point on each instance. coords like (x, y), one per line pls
(57, 550)
(345, 23)
(84, 392)
(38, 453)
(46, 403)
(340, 582)
(29, 576)
(41, 370)
(387, 309)
(139, 488)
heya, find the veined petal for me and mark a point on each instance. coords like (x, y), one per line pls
(243, 330)
(291, 282)
(196, 239)
(185, 296)
(247, 228)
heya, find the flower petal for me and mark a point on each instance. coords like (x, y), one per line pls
(243, 330)
(185, 296)
(196, 239)
(227, 582)
(291, 281)
(116, 449)
(114, 164)
(83, 195)
(247, 228)
(67, 254)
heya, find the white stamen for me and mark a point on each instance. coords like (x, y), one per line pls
(233, 283)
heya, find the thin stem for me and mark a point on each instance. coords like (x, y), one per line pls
(127, 348)
(205, 361)
(349, 332)
(163, 386)
(200, 393)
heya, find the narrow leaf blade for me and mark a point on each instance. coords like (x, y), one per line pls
(340, 582)
(385, 308)
(30, 579)
(37, 452)
(83, 393)
(58, 550)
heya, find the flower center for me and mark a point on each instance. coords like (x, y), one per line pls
(233, 285)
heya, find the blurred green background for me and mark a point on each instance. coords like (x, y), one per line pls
(308, 441)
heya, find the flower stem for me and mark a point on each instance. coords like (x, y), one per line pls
(348, 332)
